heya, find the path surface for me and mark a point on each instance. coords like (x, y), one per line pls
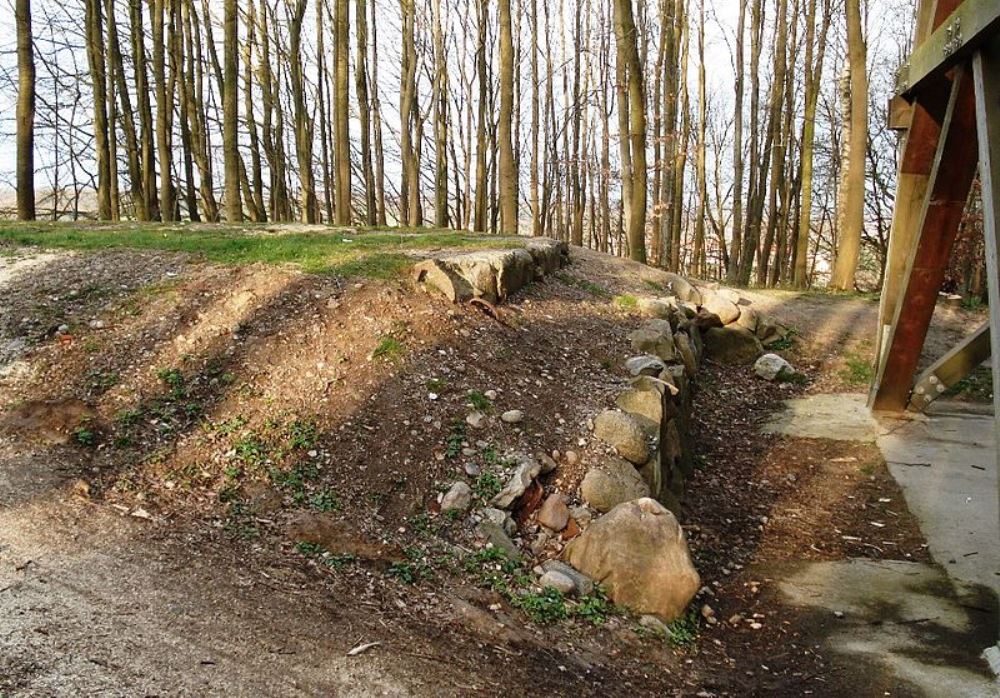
(946, 464)
(926, 624)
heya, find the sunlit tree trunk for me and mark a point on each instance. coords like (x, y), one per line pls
(25, 113)
(852, 192)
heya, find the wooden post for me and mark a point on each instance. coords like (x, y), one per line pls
(951, 176)
(986, 73)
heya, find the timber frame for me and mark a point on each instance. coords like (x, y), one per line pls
(952, 86)
(948, 104)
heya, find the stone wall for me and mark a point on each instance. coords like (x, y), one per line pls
(695, 324)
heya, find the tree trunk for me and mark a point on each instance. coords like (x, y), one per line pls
(25, 113)
(230, 115)
(96, 61)
(364, 112)
(851, 205)
(508, 169)
(628, 50)
(341, 110)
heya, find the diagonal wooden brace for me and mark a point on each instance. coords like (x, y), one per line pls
(954, 167)
(951, 368)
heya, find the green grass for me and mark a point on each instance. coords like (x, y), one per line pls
(857, 369)
(479, 400)
(363, 253)
(626, 302)
(584, 285)
(388, 349)
(683, 632)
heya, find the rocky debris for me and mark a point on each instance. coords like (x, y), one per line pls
(732, 345)
(717, 304)
(500, 518)
(773, 367)
(612, 483)
(457, 498)
(554, 513)
(638, 552)
(770, 332)
(476, 420)
(512, 416)
(490, 274)
(644, 365)
(496, 536)
(654, 341)
(527, 470)
(624, 433)
(558, 581)
(582, 584)
(547, 462)
(582, 515)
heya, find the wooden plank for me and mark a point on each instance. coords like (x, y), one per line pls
(918, 149)
(900, 114)
(986, 73)
(969, 26)
(958, 363)
(951, 178)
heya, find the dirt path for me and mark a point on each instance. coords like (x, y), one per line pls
(146, 556)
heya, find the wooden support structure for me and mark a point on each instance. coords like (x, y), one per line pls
(952, 82)
(951, 368)
(940, 158)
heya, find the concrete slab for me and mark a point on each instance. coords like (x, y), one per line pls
(946, 464)
(906, 620)
(842, 417)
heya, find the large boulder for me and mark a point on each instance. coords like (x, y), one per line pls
(655, 308)
(638, 553)
(623, 432)
(612, 483)
(682, 288)
(773, 367)
(654, 341)
(645, 401)
(644, 365)
(683, 343)
(732, 345)
(717, 304)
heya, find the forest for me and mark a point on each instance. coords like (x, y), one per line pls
(748, 141)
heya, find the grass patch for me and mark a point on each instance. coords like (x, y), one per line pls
(388, 349)
(487, 486)
(857, 369)
(977, 386)
(626, 301)
(683, 632)
(456, 437)
(437, 385)
(479, 400)
(584, 285)
(357, 253)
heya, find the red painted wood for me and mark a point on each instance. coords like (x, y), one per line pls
(939, 227)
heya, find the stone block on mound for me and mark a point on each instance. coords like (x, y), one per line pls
(491, 275)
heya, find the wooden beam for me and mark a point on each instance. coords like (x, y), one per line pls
(918, 149)
(958, 363)
(986, 74)
(951, 176)
(970, 25)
